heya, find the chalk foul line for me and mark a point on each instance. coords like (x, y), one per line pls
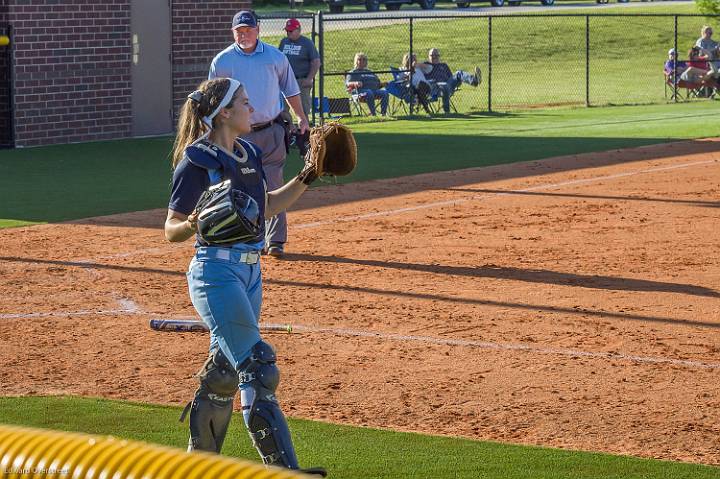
(67, 314)
(488, 196)
(575, 353)
(436, 204)
(468, 343)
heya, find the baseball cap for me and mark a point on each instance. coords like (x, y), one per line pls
(244, 19)
(292, 24)
(671, 51)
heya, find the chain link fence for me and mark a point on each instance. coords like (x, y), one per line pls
(6, 97)
(527, 61)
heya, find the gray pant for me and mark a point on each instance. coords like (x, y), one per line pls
(272, 143)
(305, 100)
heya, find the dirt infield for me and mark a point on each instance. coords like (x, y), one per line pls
(572, 302)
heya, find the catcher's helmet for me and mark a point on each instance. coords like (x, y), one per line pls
(227, 215)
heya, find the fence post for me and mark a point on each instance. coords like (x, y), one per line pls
(677, 57)
(587, 60)
(412, 68)
(312, 93)
(321, 32)
(490, 63)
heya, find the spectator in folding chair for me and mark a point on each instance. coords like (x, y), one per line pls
(673, 71)
(698, 75)
(674, 68)
(415, 82)
(710, 49)
(367, 84)
(697, 66)
(445, 81)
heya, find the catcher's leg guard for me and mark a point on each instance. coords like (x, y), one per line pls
(211, 409)
(259, 378)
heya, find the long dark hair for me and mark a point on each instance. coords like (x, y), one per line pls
(200, 103)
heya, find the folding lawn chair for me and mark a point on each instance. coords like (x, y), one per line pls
(437, 95)
(692, 89)
(403, 95)
(356, 101)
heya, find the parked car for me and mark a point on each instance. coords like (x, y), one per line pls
(337, 6)
(500, 3)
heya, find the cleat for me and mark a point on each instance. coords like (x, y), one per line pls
(276, 250)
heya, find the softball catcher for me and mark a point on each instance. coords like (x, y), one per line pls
(219, 196)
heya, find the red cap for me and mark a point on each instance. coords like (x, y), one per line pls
(292, 24)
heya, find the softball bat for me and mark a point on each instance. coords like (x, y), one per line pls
(195, 325)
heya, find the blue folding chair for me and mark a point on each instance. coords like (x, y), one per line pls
(400, 94)
(403, 95)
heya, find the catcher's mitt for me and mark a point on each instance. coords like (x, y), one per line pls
(226, 215)
(333, 152)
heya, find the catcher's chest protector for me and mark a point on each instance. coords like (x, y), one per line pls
(244, 170)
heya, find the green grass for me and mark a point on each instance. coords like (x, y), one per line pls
(58, 183)
(347, 452)
(535, 61)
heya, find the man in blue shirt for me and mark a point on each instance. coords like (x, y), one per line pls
(267, 76)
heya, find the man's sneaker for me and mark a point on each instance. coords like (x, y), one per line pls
(315, 471)
(276, 249)
(478, 77)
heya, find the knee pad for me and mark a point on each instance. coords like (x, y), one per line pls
(259, 378)
(211, 409)
(218, 378)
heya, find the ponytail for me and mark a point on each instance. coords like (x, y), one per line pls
(199, 104)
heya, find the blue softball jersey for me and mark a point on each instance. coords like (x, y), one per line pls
(205, 164)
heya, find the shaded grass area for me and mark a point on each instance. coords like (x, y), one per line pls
(347, 452)
(58, 183)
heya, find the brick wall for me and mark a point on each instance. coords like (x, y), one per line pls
(72, 70)
(73, 60)
(200, 30)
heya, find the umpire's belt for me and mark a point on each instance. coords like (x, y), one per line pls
(227, 254)
(261, 126)
(267, 124)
